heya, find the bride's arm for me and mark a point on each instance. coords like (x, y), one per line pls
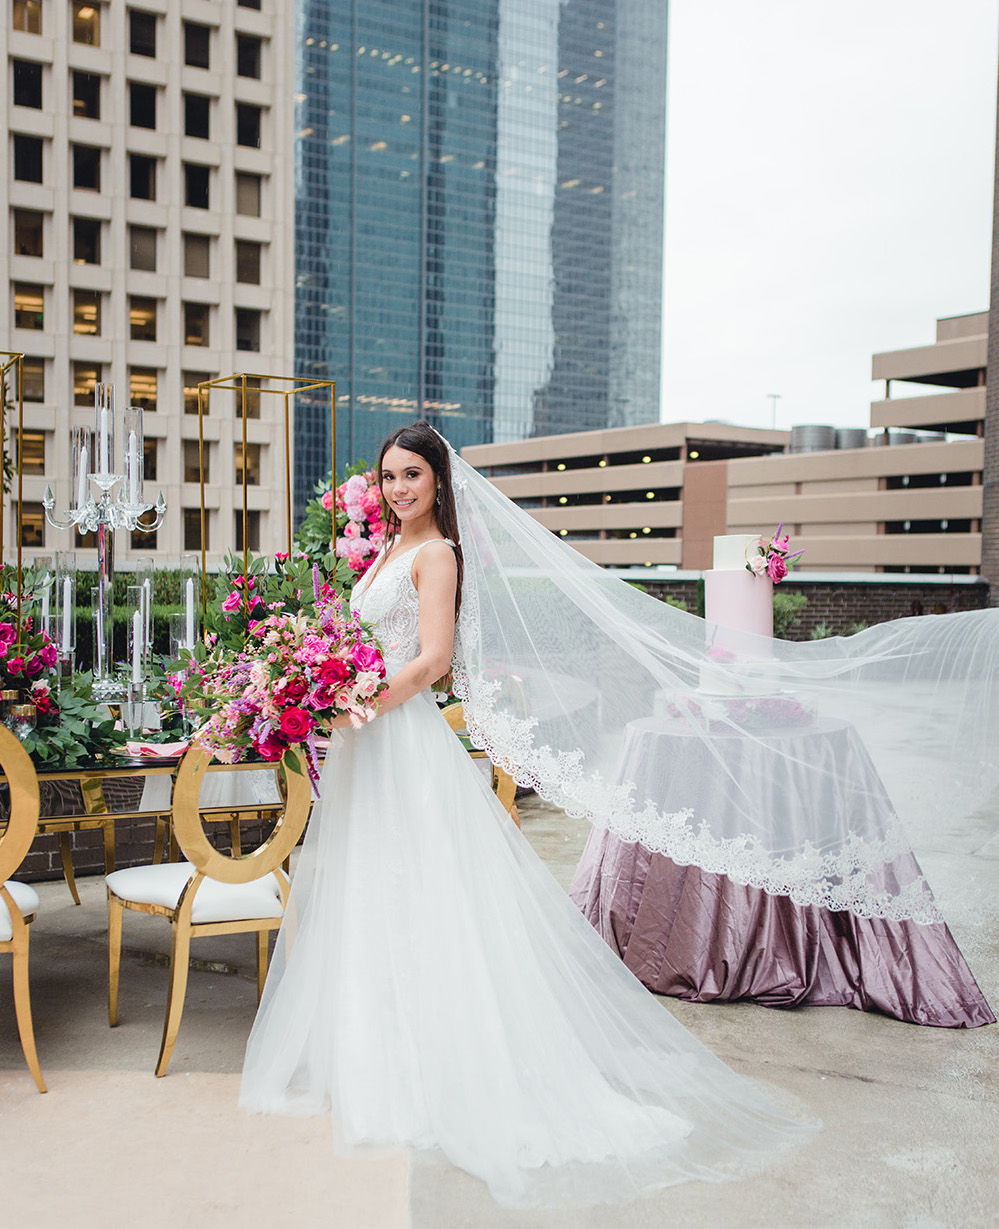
(435, 574)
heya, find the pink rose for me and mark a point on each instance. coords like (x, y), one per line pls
(294, 689)
(7, 634)
(232, 602)
(272, 748)
(352, 530)
(355, 562)
(34, 665)
(758, 565)
(327, 500)
(16, 665)
(295, 724)
(366, 657)
(776, 569)
(48, 654)
(333, 671)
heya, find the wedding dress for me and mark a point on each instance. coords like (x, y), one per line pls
(433, 985)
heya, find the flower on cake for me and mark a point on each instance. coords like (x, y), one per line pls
(773, 559)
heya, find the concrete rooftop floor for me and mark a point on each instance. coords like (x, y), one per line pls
(911, 1114)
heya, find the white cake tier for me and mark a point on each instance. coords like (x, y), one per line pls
(733, 550)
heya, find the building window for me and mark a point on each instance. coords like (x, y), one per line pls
(86, 241)
(149, 455)
(142, 387)
(141, 104)
(33, 378)
(29, 306)
(86, 376)
(141, 33)
(197, 44)
(192, 464)
(247, 261)
(196, 180)
(86, 95)
(141, 319)
(192, 529)
(32, 523)
(32, 451)
(248, 194)
(252, 398)
(87, 313)
(249, 4)
(191, 381)
(248, 56)
(28, 234)
(196, 115)
(27, 158)
(197, 256)
(142, 248)
(28, 16)
(27, 84)
(143, 540)
(142, 177)
(196, 324)
(252, 529)
(87, 167)
(248, 124)
(247, 328)
(87, 23)
(252, 464)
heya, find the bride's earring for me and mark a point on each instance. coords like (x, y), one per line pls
(438, 501)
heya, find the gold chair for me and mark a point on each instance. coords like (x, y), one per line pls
(19, 901)
(211, 893)
(504, 786)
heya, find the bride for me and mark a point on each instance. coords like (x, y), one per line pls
(433, 986)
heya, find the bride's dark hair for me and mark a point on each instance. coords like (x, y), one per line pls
(421, 438)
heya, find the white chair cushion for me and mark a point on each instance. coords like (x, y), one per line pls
(26, 899)
(215, 902)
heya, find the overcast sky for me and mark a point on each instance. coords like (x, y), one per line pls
(828, 195)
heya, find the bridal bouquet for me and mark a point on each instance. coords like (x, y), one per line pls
(296, 672)
(772, 558)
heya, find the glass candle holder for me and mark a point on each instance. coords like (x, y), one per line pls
(81, 447)
(135, 638)
(145, 579)
(190, 596)
(65, 601)
(23, 718)
(104, 431)
(132, 453)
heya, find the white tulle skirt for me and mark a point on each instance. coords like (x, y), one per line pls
(434, 986)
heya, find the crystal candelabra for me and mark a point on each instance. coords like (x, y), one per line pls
(93, 454)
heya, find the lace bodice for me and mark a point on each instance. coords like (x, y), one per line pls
(390, 603)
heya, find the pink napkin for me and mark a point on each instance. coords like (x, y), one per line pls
(154, 750)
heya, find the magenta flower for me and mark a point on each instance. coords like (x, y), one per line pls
(232, 602)
(776, 569)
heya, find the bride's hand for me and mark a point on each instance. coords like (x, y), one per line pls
(340, 723)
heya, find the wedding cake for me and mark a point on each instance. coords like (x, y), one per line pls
(734, 597)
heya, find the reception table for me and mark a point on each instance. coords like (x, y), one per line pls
(700, 936)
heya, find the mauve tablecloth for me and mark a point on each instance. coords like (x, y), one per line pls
(699, 936)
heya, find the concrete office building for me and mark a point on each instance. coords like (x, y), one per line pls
(479, 218)
(910, 501)
(149, 245)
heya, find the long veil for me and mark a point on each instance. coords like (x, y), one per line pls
(558, 661)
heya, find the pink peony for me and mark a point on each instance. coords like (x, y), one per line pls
(327, 500)
(352, 530)
(776, 569)
(355, 562)
(367, 657)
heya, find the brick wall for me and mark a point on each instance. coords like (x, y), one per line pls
(841, 605)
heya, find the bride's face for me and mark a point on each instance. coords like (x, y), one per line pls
(409, 486)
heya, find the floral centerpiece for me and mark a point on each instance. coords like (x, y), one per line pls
(281, 670)
(345, 527)
(773, 558)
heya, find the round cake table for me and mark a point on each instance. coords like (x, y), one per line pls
(699, 936)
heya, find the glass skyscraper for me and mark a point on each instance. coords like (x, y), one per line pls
(479, 211)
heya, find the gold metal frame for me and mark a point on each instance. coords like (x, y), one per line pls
(504, 786)
(15, 841)
(287, 387)
(11, 359)
(209, 863)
